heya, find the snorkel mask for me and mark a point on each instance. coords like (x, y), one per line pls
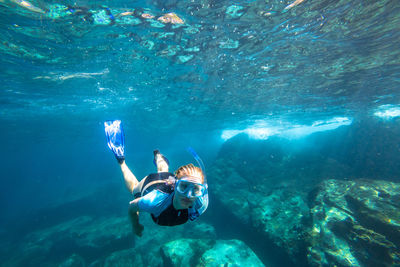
(190, 189)
(188, 185)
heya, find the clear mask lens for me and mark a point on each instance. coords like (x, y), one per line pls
(190, 189)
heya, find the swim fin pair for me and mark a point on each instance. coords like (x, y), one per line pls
(115, 139)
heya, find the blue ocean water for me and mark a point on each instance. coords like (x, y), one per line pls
(293, 92)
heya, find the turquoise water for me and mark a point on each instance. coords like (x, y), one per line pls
(268, 70)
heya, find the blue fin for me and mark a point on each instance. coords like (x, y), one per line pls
(115, 138)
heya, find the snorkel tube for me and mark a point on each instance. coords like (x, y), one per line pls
(200, 162)
(204, 199)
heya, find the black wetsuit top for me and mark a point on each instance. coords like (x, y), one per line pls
(170, 216)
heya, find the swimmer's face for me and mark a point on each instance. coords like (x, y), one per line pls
(184, 201)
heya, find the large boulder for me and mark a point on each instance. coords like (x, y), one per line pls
(230, 253)
(355, 223)
(276, 212)
(185, 252)
(155, 236)
(207, 252)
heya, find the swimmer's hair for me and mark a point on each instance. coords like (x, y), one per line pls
(189, 170)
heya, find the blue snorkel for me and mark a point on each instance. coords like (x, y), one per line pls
(204, 199)
(200, 162)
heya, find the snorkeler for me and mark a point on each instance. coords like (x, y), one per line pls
(171, 199)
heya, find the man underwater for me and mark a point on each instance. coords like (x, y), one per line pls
(171, 199)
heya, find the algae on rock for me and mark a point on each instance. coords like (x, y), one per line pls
(355, 223)
(208, 252)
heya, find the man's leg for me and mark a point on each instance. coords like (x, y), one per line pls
(130, 179)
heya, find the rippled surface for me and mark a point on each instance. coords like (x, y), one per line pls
(212, 64)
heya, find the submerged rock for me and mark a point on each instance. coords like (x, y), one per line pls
(185, 252)
(184, 59)
(72, 242)
(155, 237)
(124, 258)
(228, 43)
(279, 214)
(100, 17)
(230, 253)
(127, 20)
(171, 18)
(355, 223)
(234, 11)
(206, 252)
(105, 241)
(80, 232)
(73, 261)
